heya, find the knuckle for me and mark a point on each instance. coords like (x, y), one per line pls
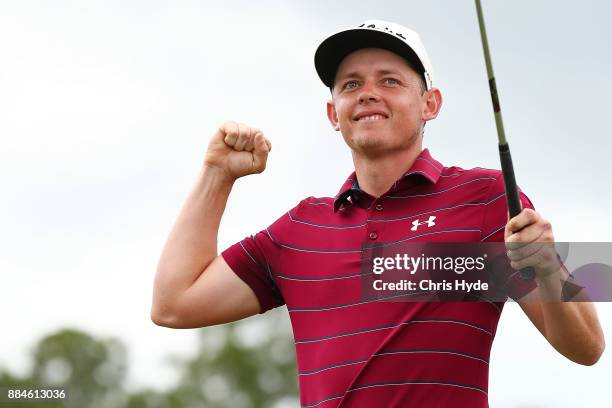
(529, 211)
(548, 255)
(511, 255)
(518, 254)
(513, 224)
(227, 126)
(529, 215)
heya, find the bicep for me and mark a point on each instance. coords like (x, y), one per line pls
(218, 296)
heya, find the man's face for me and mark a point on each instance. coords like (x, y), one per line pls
(378, 102)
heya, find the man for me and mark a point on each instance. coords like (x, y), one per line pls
(353, 352)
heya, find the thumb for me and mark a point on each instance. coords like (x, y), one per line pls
(260, 152)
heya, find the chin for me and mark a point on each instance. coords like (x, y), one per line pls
(371, 147)
(370, 141)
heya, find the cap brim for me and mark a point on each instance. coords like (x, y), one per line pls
(332, 51)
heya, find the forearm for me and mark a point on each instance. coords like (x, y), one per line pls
(571, 326)
(192, 243)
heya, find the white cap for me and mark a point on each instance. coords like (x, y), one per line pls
(372, 34)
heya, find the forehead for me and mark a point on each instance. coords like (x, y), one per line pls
(372, 59)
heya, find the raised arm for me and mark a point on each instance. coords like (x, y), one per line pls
(194, 287)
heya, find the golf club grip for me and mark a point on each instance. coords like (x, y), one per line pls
(512, 195)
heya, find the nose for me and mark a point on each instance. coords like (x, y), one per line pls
(368, 94)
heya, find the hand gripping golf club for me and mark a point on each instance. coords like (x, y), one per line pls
(512, 195)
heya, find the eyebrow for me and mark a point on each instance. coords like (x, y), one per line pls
(380, 72)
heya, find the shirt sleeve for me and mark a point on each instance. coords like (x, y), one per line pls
(494, 222)
(250, 260)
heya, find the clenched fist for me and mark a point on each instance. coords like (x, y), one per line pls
(238, 150)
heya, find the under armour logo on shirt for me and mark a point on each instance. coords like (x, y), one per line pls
(430, 223)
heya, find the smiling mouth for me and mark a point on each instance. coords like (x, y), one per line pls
(370, 118)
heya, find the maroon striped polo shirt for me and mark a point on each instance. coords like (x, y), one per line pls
(356, 353)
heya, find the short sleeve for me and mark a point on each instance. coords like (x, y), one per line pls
(255, 260)
(248, 259)
(495, 218)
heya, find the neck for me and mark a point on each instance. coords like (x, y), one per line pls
(376, 175)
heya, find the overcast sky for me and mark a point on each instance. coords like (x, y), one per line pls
(106, 108)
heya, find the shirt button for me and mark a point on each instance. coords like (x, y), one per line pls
(379, 207)
(373, 235)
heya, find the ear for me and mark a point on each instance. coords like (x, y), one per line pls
(432, 102)
(332, 115)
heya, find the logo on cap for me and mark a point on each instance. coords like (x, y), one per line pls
(385, 29)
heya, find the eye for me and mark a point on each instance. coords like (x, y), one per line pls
(350, 84)
(390, 81)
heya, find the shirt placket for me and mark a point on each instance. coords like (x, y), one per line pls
(375, 229)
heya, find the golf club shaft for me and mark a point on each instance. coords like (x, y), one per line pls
(512, 195)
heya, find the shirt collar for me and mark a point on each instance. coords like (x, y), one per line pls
(425, 166)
